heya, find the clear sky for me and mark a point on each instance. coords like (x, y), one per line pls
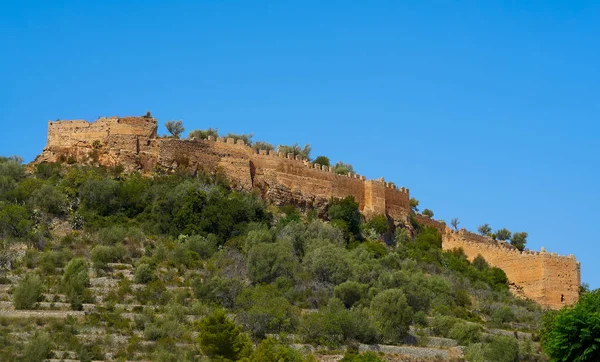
(487, 110)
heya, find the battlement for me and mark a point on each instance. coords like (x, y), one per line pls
(132, 142)
(548, 278)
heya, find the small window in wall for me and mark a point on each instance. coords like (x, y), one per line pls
(562, 298)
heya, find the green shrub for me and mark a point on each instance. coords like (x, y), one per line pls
(392, 314)
(350, 292)
(28, 292)
(379, 223)
(144, 273)
(465, 333)
(220, 337)
(502, 315)
(101, 255)
(328, 264)
(268, 261)
(345, 211)
(75, 281)
(263, 310)
(441, 325)
(38, 348)
(270, 350)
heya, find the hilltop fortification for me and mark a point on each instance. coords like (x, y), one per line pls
(132, 142)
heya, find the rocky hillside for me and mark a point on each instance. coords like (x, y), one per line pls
(100, 265)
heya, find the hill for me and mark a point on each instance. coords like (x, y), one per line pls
(98, 264)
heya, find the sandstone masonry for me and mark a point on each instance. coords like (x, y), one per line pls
(133, 143)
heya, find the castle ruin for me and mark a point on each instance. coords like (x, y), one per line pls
(132, 142)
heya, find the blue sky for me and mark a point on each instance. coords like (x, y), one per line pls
(487, 111)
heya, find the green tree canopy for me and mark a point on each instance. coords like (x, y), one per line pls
(503, 234)
(342, 168)
(573, 333)
(484, 229)
(322, 160)
(519, 239)
(175, 128)
(220, 337)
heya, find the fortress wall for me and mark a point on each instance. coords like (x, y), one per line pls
(561, 279)
(397, 202)
(70, 133)
(548, 279)
(73, 133)
(304, 178)
(427, 221)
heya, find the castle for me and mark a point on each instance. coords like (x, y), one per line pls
(547, 278)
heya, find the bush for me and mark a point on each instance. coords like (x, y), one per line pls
(441, 325)
(343, 168)
(28, 292)
(38, 348)
(350, 292)
(205, 247)
(465, 333)
(220, 337)
(328, 264)
(270, 350)
(573, 333)
(75, 281)
(101, 255)
(322, 160)
(502, 315)
(267, 261)
(428, 213)
(392, 314)
(346, 211)
(379, 223)
(263, 310)
(203, 134)
(144, 273)
(335, 324)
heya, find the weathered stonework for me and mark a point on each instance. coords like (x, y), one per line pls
(132, 142)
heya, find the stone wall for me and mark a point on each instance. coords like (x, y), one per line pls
(283, 179)
(548, 279)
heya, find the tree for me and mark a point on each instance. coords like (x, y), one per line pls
(392, 314)
(350, 292)
(322, 160)
(262, 145)
(428, 213)
(346, 211)
(503, 234)
(175, 128)
(414, 204)
(247, 138)
(343, 168)
(295, 150)
(454, 222)
(519, 239)
(268, 261)
(28, 292)
(379, 224)
(220, 337)
(573, 333)
(204, 133)
(484, 229)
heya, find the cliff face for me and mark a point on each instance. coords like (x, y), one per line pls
(132, 142)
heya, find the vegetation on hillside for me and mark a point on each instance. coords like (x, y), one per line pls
(180, 266)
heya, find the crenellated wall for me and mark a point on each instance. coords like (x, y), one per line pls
(547, 278)
(132, 142)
